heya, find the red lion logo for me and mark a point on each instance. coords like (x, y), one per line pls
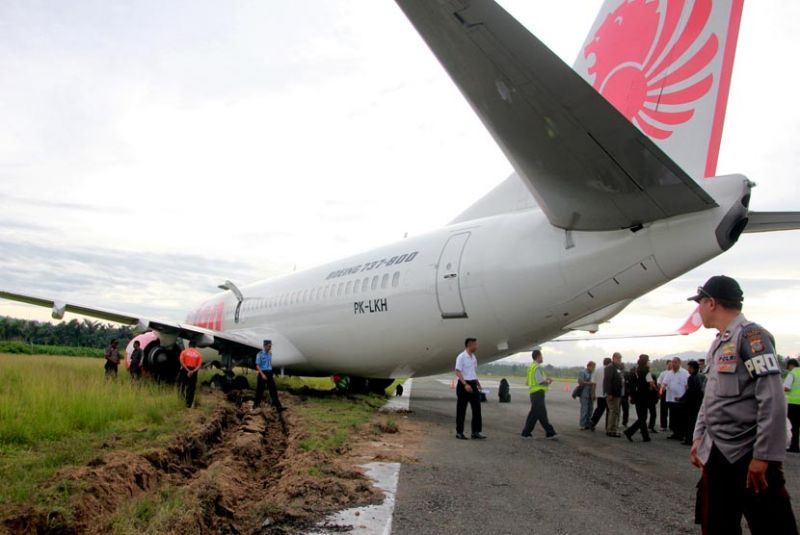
(635, 53)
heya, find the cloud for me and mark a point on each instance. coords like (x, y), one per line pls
(147, 283)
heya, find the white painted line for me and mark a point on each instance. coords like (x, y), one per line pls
(372, 519)
(399, 403)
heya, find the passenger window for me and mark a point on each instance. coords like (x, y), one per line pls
(396, 279)
(339, 291)
(375, 282)
(365, 285)
(385, 281)
(348, 287)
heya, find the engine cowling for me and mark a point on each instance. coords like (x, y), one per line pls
(161, 362)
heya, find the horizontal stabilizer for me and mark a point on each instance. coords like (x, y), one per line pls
(587, 166)
(772, 221)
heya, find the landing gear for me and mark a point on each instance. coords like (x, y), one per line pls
(362, 385)
(228, 381)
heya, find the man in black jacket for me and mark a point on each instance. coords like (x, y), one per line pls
(641, 386)
(692, 400)
(613, 383)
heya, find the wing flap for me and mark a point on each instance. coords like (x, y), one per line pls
(586, 165)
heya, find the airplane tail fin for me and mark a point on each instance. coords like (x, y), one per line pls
(666, 66)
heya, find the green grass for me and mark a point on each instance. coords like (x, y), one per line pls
(22, 348)
(56, 412)
(331, 420)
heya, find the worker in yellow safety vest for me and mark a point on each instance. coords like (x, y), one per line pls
(538, 384)
(791, 386)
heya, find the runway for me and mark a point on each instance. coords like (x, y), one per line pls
(583, 482)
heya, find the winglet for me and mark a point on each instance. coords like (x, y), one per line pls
(692, 324)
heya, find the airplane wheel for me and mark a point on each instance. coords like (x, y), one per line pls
(378, 386)
(218, 382)
(240, 382)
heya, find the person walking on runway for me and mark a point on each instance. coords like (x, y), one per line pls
(468, 390)
(538, 384)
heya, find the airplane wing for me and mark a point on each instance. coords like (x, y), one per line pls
(772, 221)
(239, 342)
(586, 165)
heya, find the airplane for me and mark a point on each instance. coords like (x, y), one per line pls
(612, 196)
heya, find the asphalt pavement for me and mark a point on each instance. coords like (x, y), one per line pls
(584, 482)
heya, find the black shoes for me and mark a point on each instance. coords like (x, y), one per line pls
(673, 436)
(629, 437)
(551, 436)
(474, 436)
(613, 435)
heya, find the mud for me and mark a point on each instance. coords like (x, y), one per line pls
(239, 471)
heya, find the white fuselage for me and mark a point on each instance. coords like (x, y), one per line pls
(510, 280)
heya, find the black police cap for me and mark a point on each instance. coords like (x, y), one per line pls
(720, 287)
(267, 342)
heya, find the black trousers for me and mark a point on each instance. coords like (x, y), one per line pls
(794, 418)
(111, 370)
(538, 413)
(723, 497)
(602, 405)
(187, 386)
(626, 409)
(473, 399)
(651, 406)
(690, 412)
(676, 420)
(664, 412)
(269, 382)
(641, 421)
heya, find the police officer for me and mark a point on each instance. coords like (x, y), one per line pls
(265, 378)
(792, 388)
(740, 436)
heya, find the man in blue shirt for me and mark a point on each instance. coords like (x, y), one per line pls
(264, 369)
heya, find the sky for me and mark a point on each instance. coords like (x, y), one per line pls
(151, 150)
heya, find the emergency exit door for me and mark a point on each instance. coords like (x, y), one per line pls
(448, 277)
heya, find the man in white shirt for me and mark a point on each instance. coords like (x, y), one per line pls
(675, 382)
(662, 398)
(468, 390)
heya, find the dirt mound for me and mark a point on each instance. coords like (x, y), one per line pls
(240, 471)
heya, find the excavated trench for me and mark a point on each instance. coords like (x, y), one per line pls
(240, 471)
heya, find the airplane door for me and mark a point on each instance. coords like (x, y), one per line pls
(448, 277)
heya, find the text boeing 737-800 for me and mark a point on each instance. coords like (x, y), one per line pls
(608, 201)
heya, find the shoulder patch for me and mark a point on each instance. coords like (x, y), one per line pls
(758, 351)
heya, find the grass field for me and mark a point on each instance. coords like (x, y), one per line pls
(57, 411)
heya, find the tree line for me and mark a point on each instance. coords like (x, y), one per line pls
(73, 333)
